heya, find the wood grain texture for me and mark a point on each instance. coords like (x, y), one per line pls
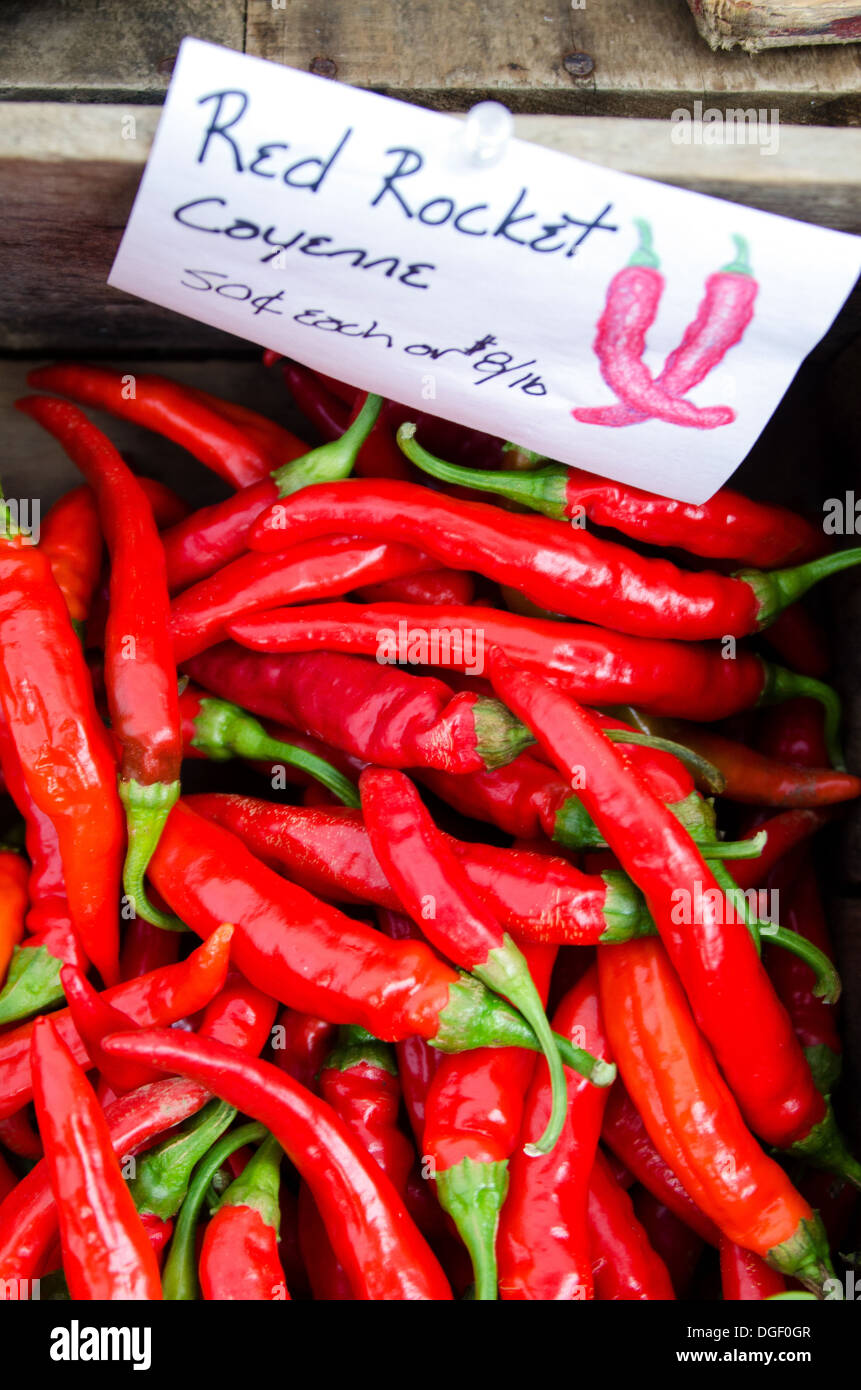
(776, 23)
(647, 58)
(68, 176)
(104, 50)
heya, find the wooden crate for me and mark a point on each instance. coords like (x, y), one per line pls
(776, 23)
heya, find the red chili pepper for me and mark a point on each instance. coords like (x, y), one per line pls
(67, 765)
(94, 1018)
(71, 539)
(755, 780)
(625, 1266)
(395, 989)
(716, 959)
(28, 1218)
(168, 508)
(440, 587)
(376, 713)
(783, 833)
(436, 893)
(627, 1137)
(240, 1015)
(280, 444)
(19, 1137)
(366, 1221)
(146, 947)
(106, 1253)
(379, 457)
(215, 535)
(473, 1118)
(565, 570)
(417, 1060)
(679, 1247)
(596, 665)
(301, 1045)
(172, 410)
(723, 315)
(727, 527)
(745, 1277)
(543, 1237)
(538, 897)
(794, 733)
(14, 901)
(139, 666)
(335, 565)
(239, 1256)
(162, 997)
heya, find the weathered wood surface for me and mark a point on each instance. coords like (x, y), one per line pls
(68, 176)
(638, 58)
(776, 23)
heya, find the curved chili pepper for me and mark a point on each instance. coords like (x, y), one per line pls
(67, 765)
(746, 1277)
(716, 959)
(94, 1018)
(598, 666)
(440, 587)
(473, 1117)
(374, 712)
(28, 1218)
(692, 1118)
(218, 730)
(280, 444)
(417, 1060)
(627, 1138)
(239, 1255)
(436, 893)
(727, 527)
(625, 1266)
(755, 780)
(172, 410)
(783, 833)
(139, 666)
(538, 897)
(366, 1222)
(71, 539)
(565, 570)
(722, 317)
(162, 997)
(543, 1236)
(359, 1081)
(240, 1015)
(677, 1245)
(335, 565)
(215, 535)
(106, 1253)
(14, 901)
(301, 1045)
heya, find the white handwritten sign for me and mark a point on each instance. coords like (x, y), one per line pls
(640, 331)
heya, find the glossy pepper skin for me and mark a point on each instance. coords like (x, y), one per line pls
(14, 901)
(106, 1253)
(175, 411)
(67, 765)
(745, 1277)
(313, 958)
(239, 1256)
(443, 588)
(625, 1267)
(367, 1223)
(423, 870)
(692, 1118)
(71, 539)
(417, 1060)
(28, 1219)
(164, 996)
(543, 1244)
(716, 959)
(567, 572)
(596, 665)
(318, 570)
(538, 898)
(373, 712)
(301, 1045)
(140, 671)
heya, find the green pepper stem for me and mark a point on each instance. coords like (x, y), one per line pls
(223, 730)
(147, 809)
(473, 1193)
(259, 1183)
(161, 1181)
(827, 984)
(741, 265)
(333, 461)
(356, 1046)
(645, 252)
(781, 684)
(543, 489)
(775, 590)
(179, 1279)
(706, 775)
(731, 890)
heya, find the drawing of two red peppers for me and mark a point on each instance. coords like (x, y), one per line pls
(632, 302)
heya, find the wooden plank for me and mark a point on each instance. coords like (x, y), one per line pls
(776, 23)
(105, 50)
(605, 57)
(68, 176)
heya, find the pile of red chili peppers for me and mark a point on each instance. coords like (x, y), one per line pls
(495, 964)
